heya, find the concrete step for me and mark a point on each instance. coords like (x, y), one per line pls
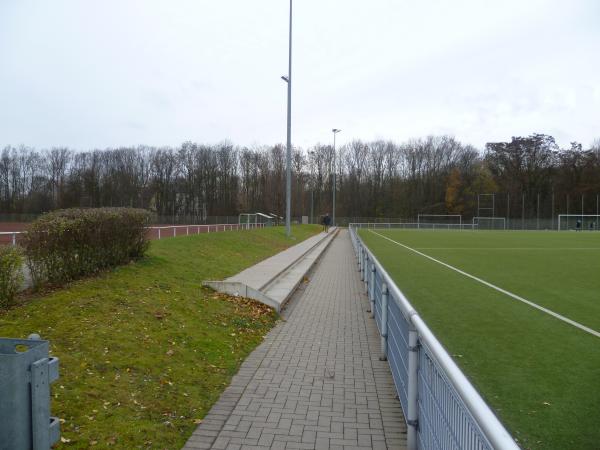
(282, 287)
(275, 279)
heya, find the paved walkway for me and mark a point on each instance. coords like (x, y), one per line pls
(316, 381)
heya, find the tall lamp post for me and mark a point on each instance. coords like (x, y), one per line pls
(335, 131)
(288, 169)
(312, 185)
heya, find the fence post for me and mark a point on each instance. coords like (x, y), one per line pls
(413, 383)
(384, 317)
(159, 234)
(361, 258)
(365, 270)
(365, 266)
(187, 231)
(14, 239)
(372, 286)
(174, 231)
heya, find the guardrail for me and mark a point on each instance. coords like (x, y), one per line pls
(12, 234)
(159, 232)
(198, 229)
(418, 225)
(442, 408)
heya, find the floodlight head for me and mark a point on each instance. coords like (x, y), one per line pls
(336, 130)
(284, 78)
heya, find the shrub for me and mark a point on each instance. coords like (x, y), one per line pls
(11, 275)
(67, 244)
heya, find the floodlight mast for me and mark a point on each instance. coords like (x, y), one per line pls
(335, 131)
(288, 168)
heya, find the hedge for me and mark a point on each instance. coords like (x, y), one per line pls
(64, 245)
(11, 275)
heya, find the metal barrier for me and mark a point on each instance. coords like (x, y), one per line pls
(12, 234)
(189, 229)
(418, 226)
(442, 409)
(198, 229)
(26, 372)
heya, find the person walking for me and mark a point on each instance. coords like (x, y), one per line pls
(325, 221)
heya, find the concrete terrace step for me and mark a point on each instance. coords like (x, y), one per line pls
(273, 280)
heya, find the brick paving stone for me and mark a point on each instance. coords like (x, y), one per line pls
(316, 381)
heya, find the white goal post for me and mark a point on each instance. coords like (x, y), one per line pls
(248, 218)
(489, 223)
(439, 219)
(587, 222)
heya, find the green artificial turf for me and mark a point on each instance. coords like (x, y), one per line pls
(541, 375)
(144, 349)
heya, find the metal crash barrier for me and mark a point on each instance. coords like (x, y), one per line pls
(26, 372)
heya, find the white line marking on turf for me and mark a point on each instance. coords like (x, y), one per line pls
(499, 289)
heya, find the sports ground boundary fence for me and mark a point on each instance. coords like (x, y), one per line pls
(441, 407)
(545, 224)
(156, 232)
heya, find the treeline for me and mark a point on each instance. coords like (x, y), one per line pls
(436, 174)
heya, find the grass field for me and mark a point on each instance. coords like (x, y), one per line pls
(540, 374)
(145, 350)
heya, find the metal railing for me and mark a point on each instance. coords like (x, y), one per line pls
(442, 409)
(417, 225)
(159, 232)
(184, 230)
(12, 236)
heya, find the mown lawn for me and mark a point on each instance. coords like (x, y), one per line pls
(541, 375)
(144, 349)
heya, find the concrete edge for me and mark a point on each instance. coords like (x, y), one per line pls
(309, 268)
(237, 289)
(284, 269)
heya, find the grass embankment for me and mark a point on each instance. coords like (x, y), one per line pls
(144, 349)
(540, 374)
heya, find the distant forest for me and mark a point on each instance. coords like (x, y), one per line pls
(530, 176)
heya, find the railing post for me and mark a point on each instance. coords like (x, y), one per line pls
(14, 239)
(384, 318)
(372, 286)
(413, 384)
(187, 231)
(365, 273)
(159, 234)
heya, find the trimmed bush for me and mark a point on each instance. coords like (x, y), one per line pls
(11, 275)
(64, 245)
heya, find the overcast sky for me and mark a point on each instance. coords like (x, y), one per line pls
(93, 74)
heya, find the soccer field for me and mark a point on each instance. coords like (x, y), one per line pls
(538, 363)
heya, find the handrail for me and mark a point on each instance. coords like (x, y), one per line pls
(217, 227)
(490, 425)
(416, 225)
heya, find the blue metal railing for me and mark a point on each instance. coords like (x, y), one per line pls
(442, 409)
